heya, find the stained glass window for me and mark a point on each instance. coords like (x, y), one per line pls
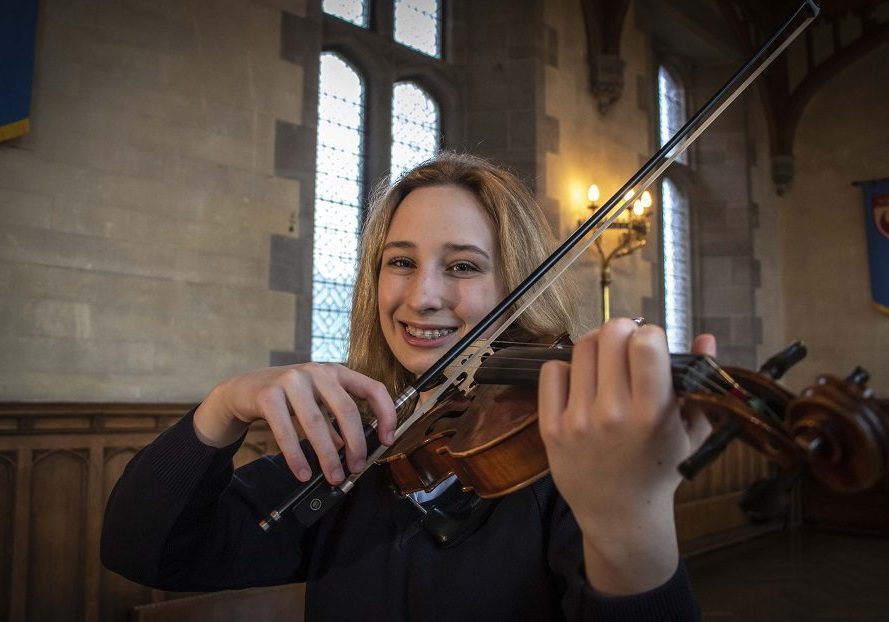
(355, 11)
(415, 127)
(338, 188)
(418, 25)
(677, 273)
(671, 108)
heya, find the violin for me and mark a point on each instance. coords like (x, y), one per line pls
(462, 381)
(488, 436)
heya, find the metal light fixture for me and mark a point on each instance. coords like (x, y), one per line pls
(633, 225)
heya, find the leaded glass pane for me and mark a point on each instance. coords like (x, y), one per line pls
(671, 108)
(415, 127)
(418, 25)
(337, 205)
(677, 272)
(354, 11)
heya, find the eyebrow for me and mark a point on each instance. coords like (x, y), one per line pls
(450, 247)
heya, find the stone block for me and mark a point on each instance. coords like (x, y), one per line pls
(294, 150)
(725, 301)
(288, 357)
(549, 134)
(300, 38)
(551, 42)
(41, 246)
(81, 150)
(742, 331)
(301, 8)
(60, 76)
(290, 264)
(488, 89)
(231, 121)
(716, 269)
(744, 271)
(728, 241)
(738, 356)
(52, 354)
(108, 290)
(644, 92)
(171, 106)
(521, 128)
(487, 130)
(521, 79)
(144, 29)
(24, 208)
(46, 318)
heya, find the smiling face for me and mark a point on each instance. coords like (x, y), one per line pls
(438, 274)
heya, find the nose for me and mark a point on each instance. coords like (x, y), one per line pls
(428, 291)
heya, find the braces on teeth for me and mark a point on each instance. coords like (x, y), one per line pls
(429, 334)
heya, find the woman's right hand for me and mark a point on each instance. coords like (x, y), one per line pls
(300, 397)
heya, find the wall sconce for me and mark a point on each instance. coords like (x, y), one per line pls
(633, 225)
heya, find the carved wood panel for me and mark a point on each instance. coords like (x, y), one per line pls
(59, 463)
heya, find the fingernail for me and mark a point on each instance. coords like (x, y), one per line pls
(358, 466)
(337, 475)
(390, 437)
(304, 475)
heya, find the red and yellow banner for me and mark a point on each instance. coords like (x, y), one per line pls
(18, 24)
(876, 222)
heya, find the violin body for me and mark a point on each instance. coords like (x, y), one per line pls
(487, 436)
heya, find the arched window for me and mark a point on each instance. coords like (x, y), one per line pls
(338, 195)
(675, 234)
(350, 149)
(677, 273)
(418, 25)
(415, 127)
(671, 108)
(354, 11)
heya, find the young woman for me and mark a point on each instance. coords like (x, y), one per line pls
(596, 540)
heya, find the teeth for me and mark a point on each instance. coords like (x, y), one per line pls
(428, 334)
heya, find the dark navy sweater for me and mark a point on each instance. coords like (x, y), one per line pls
(181, 519)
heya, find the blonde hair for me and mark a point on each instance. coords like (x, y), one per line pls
(514, 215)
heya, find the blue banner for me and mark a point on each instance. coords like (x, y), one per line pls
(876, 222)
(18, 23)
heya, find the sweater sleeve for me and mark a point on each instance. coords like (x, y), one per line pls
(673, 601)
(179, 518)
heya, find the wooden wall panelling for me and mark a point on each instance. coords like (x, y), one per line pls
(7, 510)
(59, 463)
(57, 538)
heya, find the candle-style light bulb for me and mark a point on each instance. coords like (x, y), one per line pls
(593, 193)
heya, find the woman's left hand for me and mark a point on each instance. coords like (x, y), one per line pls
(614, 438)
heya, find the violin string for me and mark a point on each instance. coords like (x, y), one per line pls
(702, 380)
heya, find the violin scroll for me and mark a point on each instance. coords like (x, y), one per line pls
(842, 432)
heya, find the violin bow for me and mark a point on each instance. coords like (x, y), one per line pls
(316, 497)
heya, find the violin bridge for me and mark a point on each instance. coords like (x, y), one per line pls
(466, 378)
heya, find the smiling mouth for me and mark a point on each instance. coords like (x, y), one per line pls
(428, 333)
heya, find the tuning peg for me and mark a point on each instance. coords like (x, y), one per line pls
(778, 365)
(714, 445)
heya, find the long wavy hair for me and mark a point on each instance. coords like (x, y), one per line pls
(523, 238)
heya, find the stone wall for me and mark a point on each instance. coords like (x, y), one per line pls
(724, 218)
(842, 137)
(602, 149)
(136, 219)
